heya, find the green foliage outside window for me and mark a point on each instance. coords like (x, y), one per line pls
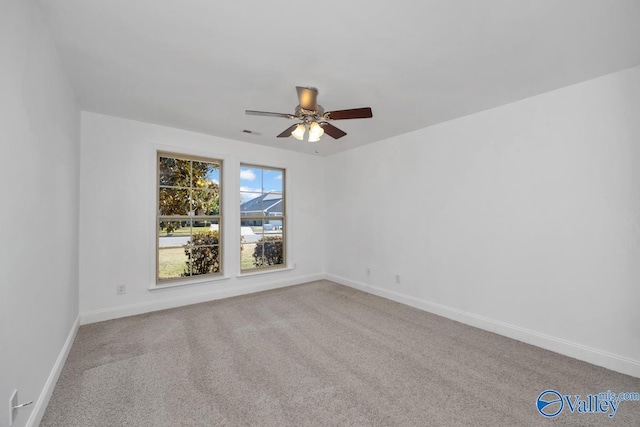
(268, 251)
(185, 189)
(188, 208)
(203, 254)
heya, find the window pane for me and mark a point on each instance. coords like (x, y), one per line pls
(174, 172)
(172, 262)
(173, 236)
(269, 251)
(173, 202)
(250, 231)
(205, 259)
(205, 202)
(246, 256)
(205, 238)
(272, 204)
(248, 239)
(172, 227)
(272, 181)
(273, 227)
(250, 179)
(250, 204)
(261, 244)
(206, 175)
(205, 248)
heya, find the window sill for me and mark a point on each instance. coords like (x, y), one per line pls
(260, 272)
(182, 284)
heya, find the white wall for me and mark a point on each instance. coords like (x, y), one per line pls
(524, 219)
(117, 216)
(39, 132)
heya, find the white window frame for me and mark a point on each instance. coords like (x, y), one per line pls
(199, 278)
(282, 218)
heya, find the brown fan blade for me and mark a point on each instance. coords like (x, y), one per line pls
(355, 113)
(332, 131)
(266, 113)
(288, 131)
(307, 97)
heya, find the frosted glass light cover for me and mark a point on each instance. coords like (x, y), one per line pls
(298, 133)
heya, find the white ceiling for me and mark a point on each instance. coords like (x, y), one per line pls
(198, 64)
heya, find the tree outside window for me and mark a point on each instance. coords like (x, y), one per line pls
(188, 218)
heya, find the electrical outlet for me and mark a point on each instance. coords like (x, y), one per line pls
(397, 279)
(368, 271)
(121, 289)
(13, 410)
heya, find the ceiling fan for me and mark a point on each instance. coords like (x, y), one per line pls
(311, 115)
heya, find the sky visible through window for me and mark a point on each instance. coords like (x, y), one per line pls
(213, 174)
(255, 181)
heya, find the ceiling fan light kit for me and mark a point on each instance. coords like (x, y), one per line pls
(315, 132)
(299, 131)
(312, 116)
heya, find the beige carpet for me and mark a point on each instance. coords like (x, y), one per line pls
(318, 354)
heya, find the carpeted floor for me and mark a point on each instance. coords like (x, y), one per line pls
(318, 354)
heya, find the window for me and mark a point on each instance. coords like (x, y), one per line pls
(262, 218)
(188, 217)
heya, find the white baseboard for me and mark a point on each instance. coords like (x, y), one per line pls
(43, 400)
(577, 351)
(172, 302)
